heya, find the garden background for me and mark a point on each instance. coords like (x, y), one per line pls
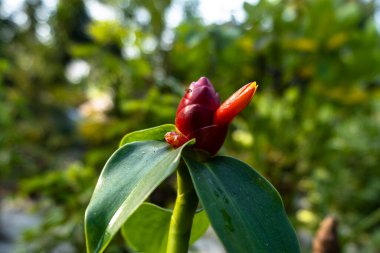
(76, 75)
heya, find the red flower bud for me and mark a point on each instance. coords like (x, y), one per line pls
(200, 116)
(235, 104)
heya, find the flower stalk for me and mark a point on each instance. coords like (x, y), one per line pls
(183, 213)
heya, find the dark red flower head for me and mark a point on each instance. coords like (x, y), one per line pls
(200, 115)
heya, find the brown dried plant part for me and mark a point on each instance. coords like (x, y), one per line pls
(326, 239)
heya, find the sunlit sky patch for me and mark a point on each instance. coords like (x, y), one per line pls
(221, 11)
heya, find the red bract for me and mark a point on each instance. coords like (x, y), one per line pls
(200, 115)
(197, 107)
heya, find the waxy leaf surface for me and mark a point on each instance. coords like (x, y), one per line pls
(127, 179)
(244, 209)
(155, 133)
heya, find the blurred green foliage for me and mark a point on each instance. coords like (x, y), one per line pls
(312, 129)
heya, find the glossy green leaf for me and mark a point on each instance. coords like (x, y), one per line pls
(243, 207)
(155, 133)
(127, 179)
(148, 227)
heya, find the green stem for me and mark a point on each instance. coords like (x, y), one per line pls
(183, 213)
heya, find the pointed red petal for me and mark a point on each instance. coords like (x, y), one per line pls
(235, 104)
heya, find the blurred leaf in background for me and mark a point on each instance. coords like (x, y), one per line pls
(76, 76)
